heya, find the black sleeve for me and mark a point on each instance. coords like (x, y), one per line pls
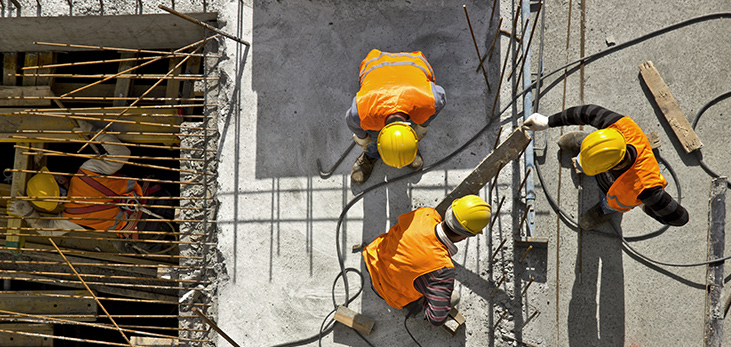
(596, 116)
(661, 206)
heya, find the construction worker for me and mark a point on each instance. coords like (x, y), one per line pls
(619, 156)
(95, 216)
(413, 259)
(391, 112)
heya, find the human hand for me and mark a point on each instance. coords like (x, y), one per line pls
(420, 131)
(536, 122)
(362, 142)
(20, 208)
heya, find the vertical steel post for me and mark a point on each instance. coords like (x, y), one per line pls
(530, 196)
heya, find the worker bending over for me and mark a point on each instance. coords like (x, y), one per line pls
(619, 156)
(99, 215)
(391, 112)
(413, 259)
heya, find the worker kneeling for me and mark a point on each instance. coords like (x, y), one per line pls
(413, 259)
(619, 156)
(397, 100)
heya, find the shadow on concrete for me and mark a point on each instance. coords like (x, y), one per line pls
(305, 73)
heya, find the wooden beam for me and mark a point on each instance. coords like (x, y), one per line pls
(172, 89)
(511, 148)
(354, 319)
(19, 340)
(713, 336)
(670, 108)
(10, 66)
(8, 95)
(45, 58)
(123, 85)
(48, 305)
(105, 90)
(17, 188)
(191, 67)
(31, 59)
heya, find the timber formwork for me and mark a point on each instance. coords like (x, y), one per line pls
(93, 286)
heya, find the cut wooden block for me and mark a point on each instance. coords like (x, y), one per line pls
(670, 108)
(354, 319)
(654, 139)
(454, 321)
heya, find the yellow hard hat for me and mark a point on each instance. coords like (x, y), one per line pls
(469, 215)
(43, 185)
(397, 144)
(601, 151)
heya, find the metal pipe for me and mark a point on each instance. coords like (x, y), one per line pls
(477, 49)
(530, 40)
(530, 196)
(90, 291)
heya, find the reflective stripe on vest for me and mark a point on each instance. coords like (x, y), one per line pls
(101, 187)
(644, 172)
(408, 250)
(395, 82)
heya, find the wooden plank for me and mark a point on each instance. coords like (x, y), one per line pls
(31, 59)
(511, 148)
(45, 305)
(122, 87)
(153, 341)
(713, 336)
(172, 89)
(104, 256)
(191, 67)
(5, 190)
(454, 321)
(105, 90)
(7, 92)
(354, 319)
(44, 58)
(17, 188)
(18, 340)
(670, 108)
(10, 66)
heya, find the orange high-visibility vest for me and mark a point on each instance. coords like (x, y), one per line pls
(644, 172)
(394, 82)
(100, 187)
(410, 249)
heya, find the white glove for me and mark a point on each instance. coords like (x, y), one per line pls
(420, 131)
(536, 122)
(362, 142)
(20, 208)
(84, 126)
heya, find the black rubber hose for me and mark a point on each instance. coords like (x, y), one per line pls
(698, 154)
(357, 197)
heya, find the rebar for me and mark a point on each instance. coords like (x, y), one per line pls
(525, 214)
(497, 137)
(494, 254)
(140, 157)
(154, 266)
(521, 58)
(207, 26)
(98, 98)
(117, 219)
(80, 252)
(182, 77)
(90, 291)
(110, 239)
(484, 71)
(497, 286)
(497, 174)
(105, 48)
(153, 180)
(58, 337)
(527, 172)
(111, 120)
(497, 212)
(131, 107)
(526, 253)
(140, 133)
(525, 289)
(58, 281)
(79, 198)
(505, 64)
(90, 62)
(116, 277)
(529, 319)
(500, 320)
(139, 145)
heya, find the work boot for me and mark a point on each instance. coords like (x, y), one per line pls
(594, 217)
(417, 163)
(571, 142)
(362, 169)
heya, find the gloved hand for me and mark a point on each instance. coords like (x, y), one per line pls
(362, 142)
(20, 208)
(84, 126)
(420, 131)
(536, 122)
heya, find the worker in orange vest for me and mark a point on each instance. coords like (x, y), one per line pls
(619, 156)
(391, 112)
(414, 258)
(97, 214)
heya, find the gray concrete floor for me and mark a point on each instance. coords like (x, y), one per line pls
(278, 218)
